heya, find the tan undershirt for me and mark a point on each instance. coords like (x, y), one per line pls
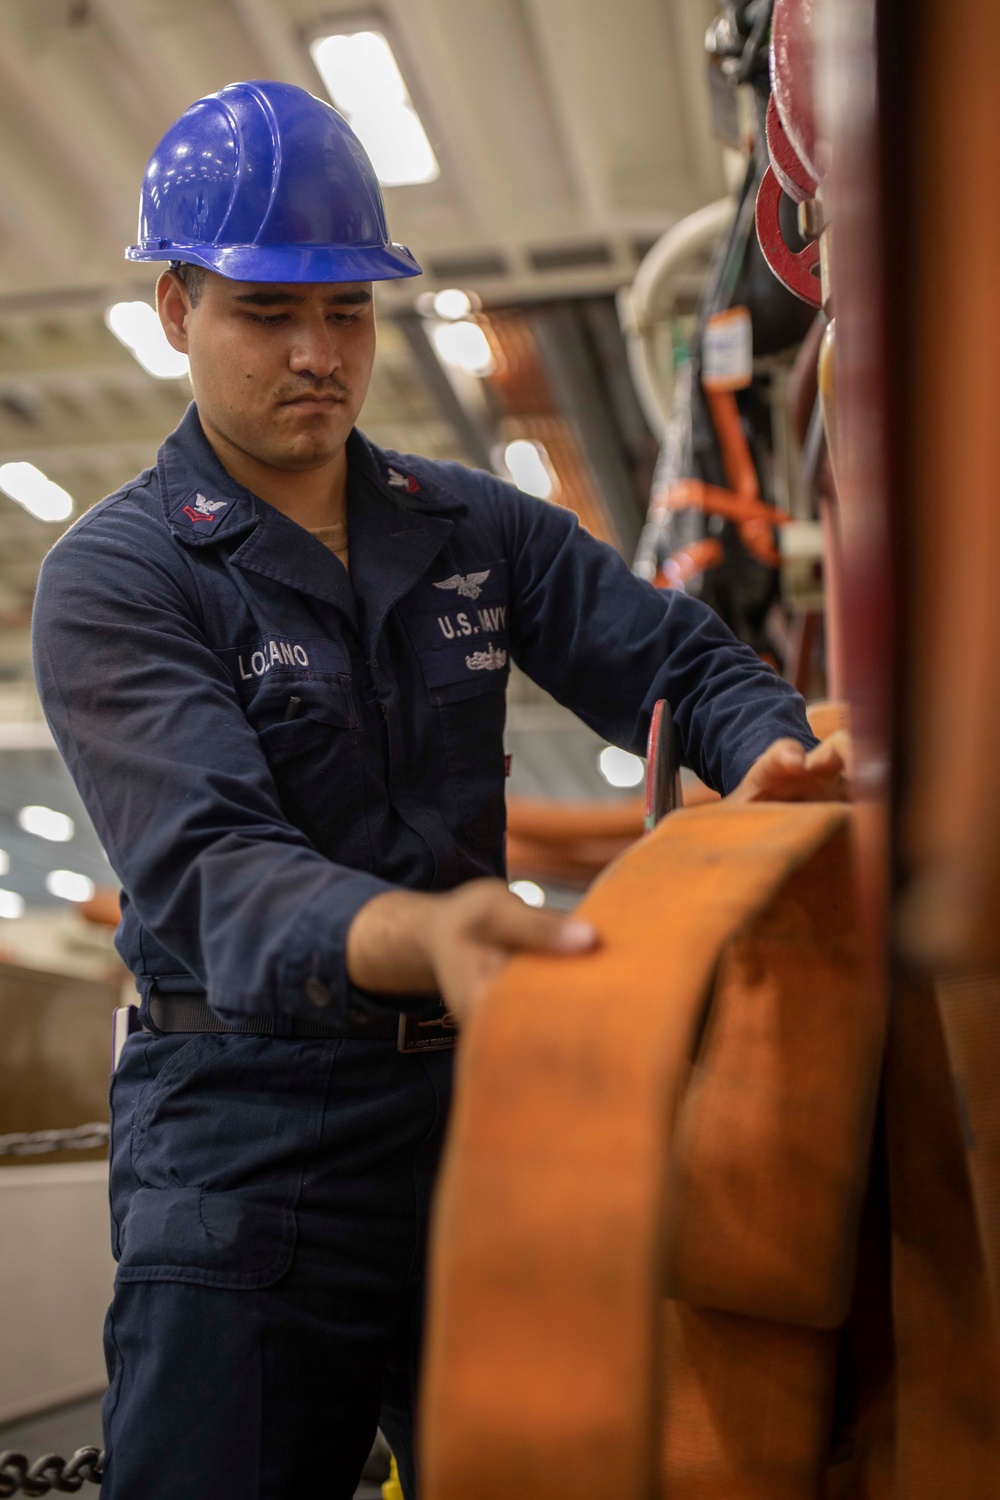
(334, 537)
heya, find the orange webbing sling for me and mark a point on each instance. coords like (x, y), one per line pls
(943, 1114)
(590, 1165)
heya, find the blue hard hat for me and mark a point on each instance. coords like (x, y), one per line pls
(264, 182)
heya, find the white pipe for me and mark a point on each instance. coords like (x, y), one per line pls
(645, 308)
(33, 734)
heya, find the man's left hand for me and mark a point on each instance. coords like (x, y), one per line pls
(786, 772)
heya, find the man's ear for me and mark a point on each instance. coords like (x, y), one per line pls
(174, 307)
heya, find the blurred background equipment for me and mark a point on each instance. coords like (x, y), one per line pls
(55, 1258)
(713, 373)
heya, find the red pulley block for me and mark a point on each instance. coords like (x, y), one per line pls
(794, 269)
(795, 179)
(793, 24)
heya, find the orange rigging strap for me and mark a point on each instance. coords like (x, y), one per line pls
(551, 1247)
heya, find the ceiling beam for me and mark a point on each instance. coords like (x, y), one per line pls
(135, 445)
(131, 450)
(86, 147)
(275, 38)
(570, 370)
(475, 78)
(473, 433)
(576, 126)
(687, 21)
(143, 60)
(613, 75)
(32, 219)
(67, 364)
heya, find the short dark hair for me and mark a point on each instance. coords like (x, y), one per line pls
(193, 278)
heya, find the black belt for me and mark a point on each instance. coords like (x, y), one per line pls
(411, 1032)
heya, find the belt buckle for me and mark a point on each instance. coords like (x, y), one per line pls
(427, 1033)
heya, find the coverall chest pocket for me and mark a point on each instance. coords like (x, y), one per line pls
(311, 739)
(472, 723)
(467, 681)
(461, 641)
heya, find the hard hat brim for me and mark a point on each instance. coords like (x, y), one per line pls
(287, 263)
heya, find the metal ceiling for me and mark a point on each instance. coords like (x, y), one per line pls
(561, 125)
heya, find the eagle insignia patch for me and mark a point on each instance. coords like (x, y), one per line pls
(202, 509)
(468, 585)
(403, 482)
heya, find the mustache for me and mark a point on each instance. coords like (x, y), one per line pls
(330, 387)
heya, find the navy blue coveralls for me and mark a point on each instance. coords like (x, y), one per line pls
(269, 1192)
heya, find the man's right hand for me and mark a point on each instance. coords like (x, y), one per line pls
(407, 942)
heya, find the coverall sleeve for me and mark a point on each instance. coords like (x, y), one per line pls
(608, 645)
(176, 784)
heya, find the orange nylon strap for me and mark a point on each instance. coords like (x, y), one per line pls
(946, 1331)
(696, 494)
(741, 472)
(969, 1005)
(544, 1372)
(736, 457)
(771, 1146)
(746, 1408)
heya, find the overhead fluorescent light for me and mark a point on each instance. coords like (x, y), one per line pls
(530, 893)
(451, 303)
(464, 345)
(70, 886)
(138, 327)
(39, 495)
(46, 823)
(363, 79)
(529, 467)
(11, 904)
(620, 767)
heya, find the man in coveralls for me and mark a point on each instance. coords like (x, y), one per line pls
(275, 664)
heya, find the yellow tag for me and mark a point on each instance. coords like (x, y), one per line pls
(392, 1489)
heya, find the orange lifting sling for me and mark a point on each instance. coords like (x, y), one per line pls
(590, 1170)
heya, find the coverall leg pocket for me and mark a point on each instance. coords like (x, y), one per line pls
(238, 1114)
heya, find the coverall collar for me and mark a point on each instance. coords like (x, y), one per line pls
(202, 500)
(393, 539)
(391, 546)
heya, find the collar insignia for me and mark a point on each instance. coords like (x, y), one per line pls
(200, 509)
(403, 482)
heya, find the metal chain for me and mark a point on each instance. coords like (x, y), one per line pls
(36, 1142)
(50, 1472)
